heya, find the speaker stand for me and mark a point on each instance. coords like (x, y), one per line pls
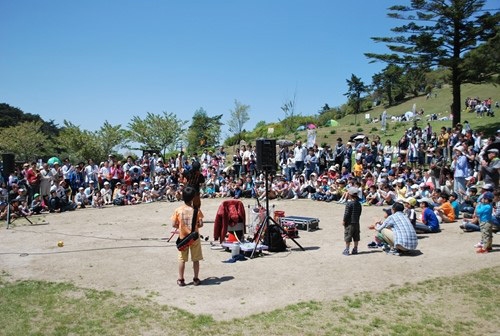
(266, 222)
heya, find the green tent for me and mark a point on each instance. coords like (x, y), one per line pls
(332, 122)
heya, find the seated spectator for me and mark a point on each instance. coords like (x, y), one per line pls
(397, 232)
(445, 211)
(455, 204)
(373, 196)
(387, 195)
(107, 193)
(377, 242)
(81, 199)
(409, 204)
(429, 222)
(37, 205)
(97, 200)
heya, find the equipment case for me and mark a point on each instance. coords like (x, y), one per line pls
(302, 223)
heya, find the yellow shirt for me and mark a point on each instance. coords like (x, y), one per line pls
(182, 220)
(358, 169)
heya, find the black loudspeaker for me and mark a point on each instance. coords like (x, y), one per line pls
(9, 164)
(266, 154)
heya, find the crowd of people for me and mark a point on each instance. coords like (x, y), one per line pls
(447, 173)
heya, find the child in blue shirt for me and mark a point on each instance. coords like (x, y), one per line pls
(484, 212)
(455, 204)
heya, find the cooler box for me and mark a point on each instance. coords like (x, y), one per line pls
(303, 223)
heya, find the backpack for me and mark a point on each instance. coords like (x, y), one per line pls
(274, 240)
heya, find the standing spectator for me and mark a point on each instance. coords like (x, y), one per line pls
(104, 173)
(67, 168)
(299, 153)
(443, 143)
(339, 152)
(352, 214)
(461, 172)
(490, 171)
(311, 161)
(45, 179)
(484, 212)
(33, 178)
(91, 172)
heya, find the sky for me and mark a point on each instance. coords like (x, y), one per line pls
(110, 60)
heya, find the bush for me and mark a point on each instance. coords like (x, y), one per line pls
(360, 129)
(374, 129)
(333, 131)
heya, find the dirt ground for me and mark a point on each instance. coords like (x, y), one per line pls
(124, 249)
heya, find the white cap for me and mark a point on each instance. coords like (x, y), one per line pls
(106, 183)
(53, 188)
(353, 191)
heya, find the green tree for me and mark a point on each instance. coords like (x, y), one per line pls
(204, 131)
(483, 64)
(159, 132)
(387, 82)
(78, 144)
(26, 141)
(111, 138)
(12, 116)
(439, 33)
(356, 88)
(237, 119)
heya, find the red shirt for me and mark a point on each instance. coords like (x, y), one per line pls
(31, 176)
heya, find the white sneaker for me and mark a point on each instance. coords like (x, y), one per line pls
(479, 245)
(295, 197)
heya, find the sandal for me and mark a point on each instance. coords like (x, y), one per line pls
(181, 282)
(196, 281)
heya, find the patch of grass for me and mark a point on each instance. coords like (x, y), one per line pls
(433, 307)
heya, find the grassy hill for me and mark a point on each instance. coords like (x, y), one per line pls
(439, 103)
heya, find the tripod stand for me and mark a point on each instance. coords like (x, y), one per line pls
(268, 220)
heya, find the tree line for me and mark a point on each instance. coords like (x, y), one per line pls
(441, 41)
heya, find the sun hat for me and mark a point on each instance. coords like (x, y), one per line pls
(487, 187)
(411, 201)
